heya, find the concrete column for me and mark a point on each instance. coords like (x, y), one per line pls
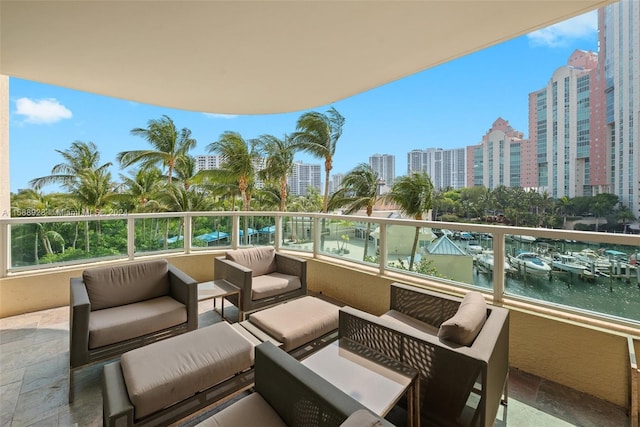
(5, 202)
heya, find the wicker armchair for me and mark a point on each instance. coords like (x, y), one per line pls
(287, 392)
(449, 372)
(264, 277)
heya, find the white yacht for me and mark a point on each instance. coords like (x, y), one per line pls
(530, 263)
(568, 263)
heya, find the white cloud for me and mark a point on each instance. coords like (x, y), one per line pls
(566, 32)
(221, 116)
(42, 111)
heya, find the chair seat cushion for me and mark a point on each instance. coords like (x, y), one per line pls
(297, 322)
(169, 371)
(251, 410)
(273, 284)
(116, 324)
(399, 317)
(466, 324)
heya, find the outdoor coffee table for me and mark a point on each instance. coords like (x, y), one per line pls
(217, 289)
(368, 376)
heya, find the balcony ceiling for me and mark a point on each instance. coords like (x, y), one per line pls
(253, 57)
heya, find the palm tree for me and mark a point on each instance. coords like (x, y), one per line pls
(95, 191)
(413, 194)
(82, 163)
(43, 205)
(359, 191)
(563, 205)
(279, 163)
(141, 189)
(81, 156)
(185, 170)
(169, 146)
(625, 215)
(318, 134)
(180, 199)
(238, 164)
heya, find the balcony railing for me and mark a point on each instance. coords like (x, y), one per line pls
(593, 274)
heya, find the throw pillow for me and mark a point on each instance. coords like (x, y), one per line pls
(466, 324)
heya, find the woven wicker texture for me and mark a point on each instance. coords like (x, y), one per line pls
(447, 376)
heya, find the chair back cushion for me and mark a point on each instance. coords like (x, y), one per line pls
(466, 324)
(126, 284)
(261, 260)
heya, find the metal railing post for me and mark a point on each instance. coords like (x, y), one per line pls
(5, 253)
(187, 233)
(382, 249)
(131, 237)
(278, 235)
(633, 389)
(317, 235)
(499, 259)
(235, 230)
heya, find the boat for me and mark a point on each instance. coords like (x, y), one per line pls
(589, 258)
(530, 263)
(568, 263)
(485, 260)
(621, 263)
(522, 238)
(473, 248)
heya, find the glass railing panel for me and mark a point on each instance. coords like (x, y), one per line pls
(211, 231)
(601, 278)
(298, 232)
(352, 240)
(159, 234)
(257, 230)
(34, 244)
(448, 255)
(480, 247)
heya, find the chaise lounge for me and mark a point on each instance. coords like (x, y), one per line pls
(119, 308)
(460, 346)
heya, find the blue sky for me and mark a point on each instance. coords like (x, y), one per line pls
(449, 106)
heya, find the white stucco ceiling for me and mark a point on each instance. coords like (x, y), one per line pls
(252, 57)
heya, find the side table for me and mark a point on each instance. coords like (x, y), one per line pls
(217, 289)
(371, 378)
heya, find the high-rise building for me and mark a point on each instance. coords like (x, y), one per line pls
(212, 161)
(336, 182)
(208, 162)
(619, 29)
(562, 128)
(415, 161)
(503, 157)
(303, 176)
(446, 168)
(385, 166)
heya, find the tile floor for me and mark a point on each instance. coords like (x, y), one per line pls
(34, 382)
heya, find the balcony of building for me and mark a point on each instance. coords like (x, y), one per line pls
(572, 337)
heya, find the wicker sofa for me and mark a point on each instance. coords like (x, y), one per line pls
(287, 393)
(264, 277)
(119, 308)
(420, 330)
